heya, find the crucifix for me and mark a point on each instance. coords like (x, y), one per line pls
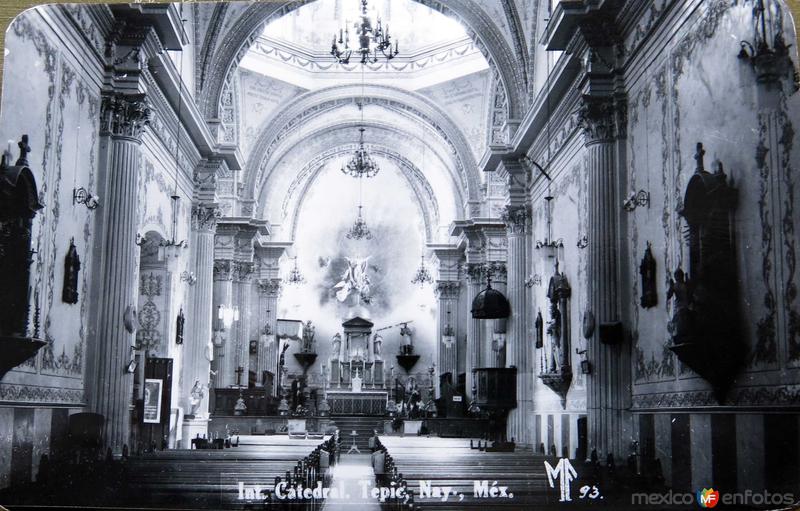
(239, 371)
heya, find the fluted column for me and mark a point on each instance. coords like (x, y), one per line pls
(269, 291)
(475, 330)
(197, 349)
(518, 346)
(603, 121)
(223, 292)
(447, 356)
(124, 119)
(242, 282)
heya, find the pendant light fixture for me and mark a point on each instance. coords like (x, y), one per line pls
(361, 164)
(172, 246)
(372, 38)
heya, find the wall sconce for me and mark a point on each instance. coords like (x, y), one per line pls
(769, 63)
(637, 199)
(586, 366)
(131, 367)
(83, 196)
(188, 277)
(583, 242)
(533, 280)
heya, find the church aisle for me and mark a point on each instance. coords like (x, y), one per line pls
(350, 473)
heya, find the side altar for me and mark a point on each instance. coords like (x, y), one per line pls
(357, 377)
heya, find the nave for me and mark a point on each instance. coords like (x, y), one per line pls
(566, 231)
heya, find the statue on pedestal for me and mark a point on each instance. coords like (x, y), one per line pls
(308, 337)
(196, 397)
(336, 341)
(377, 346)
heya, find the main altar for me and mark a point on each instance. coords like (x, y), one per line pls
(357, 384)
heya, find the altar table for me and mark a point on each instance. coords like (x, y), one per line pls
(357, 403)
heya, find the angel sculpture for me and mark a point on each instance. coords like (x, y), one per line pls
(354, 278)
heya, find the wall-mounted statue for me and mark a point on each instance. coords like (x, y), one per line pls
(308, 337)
(557, 370)
(705, 326)
(539, 330)
(647, 270)
(72, 266)
(179, 323)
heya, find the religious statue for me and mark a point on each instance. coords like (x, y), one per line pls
(209, 351)
(308, 337)
(407, 347)
(647, 270)
(196, 397)
(681, 326)
(539, 330)
(377, 346)
(240, 407)
(72, 265)
(354, 278)
(336, 341)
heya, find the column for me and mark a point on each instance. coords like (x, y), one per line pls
(240, 334)
(223, 292)
(475, 330)
(518, 345)
(123, 121)
(603, 121)
(269, 290)
(196, 350)
(447, 292)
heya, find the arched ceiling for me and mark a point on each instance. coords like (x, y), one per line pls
(428, 117)
(411, 116)
(229, 31)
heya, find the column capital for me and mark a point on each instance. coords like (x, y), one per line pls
(125, 115)
(603, 118)
(242, 271)
(447, 289)
(516, 218)
(223, 269)
(270, 287)
(204, 217)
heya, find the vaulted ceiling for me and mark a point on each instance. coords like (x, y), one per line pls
(264, 71)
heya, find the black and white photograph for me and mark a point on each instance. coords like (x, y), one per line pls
(400, 255)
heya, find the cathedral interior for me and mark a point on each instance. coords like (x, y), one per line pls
(517, 231)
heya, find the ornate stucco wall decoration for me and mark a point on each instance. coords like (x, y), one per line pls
(148, 336)
(72, 267)
(647, 270)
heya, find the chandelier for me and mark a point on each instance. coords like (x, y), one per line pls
(423, 276)
(549, 245)
(371, 39)
(295, 277)
(361, 164)
(359, 230)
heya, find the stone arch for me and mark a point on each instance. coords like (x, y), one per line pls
(423, 191)
(478, 24)
(318, 102)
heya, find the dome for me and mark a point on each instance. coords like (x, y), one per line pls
(490, 304)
